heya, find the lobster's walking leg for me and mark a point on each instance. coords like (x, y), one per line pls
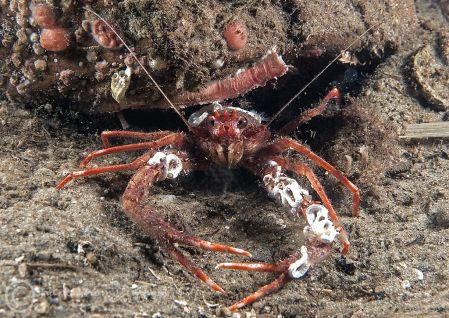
(303, 170)
(270, 288)
(107, 135)
(307, 115)
(153, 225)
(175, 139)
(315, 254)
(283, 144)
(94, 171)
(320, 232)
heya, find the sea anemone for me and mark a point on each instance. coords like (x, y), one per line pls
(44, 16)
(104, 35)
(236, 35)
(56, 39)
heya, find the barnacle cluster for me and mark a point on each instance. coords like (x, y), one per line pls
(284, 189)
(320, 227)
(171, 164)
(320, 232)
(119, 84)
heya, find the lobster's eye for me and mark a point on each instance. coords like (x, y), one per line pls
(242, 122)
(211, 121)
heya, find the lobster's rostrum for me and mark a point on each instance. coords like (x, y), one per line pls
(227, 134)
(230, 137)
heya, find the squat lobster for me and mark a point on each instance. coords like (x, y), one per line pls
(230, 137)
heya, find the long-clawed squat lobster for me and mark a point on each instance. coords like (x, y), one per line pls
(230, 137)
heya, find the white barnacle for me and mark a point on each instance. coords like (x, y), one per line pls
(320, 226)
(289, 191)
(157, 159)
(173, 166)
(299, 268)
(119, 84)
(286, 190)
(170, 165)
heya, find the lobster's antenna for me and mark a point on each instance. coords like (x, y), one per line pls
(175, 108)
(324, 69)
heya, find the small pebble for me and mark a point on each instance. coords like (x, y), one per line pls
(441, 218)
(65, 292)
(250, 314)
(16, 59)
(48, 107)
(75, 293)
(91, 258)
(167, 198)
(19, 259)
(34, 37)
(180, 303)
(37, 48)
(40, 65)
(67, 77)
(43, 256)
(406, 284)
(42, 306)
(223, 312)
(91, 56)
(419, 274)
(22, 269)
(364, 156)
(348, 164)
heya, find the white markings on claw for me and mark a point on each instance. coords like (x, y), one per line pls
(286, 190)
(320, 226)
(171, 164)
(299, 268)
